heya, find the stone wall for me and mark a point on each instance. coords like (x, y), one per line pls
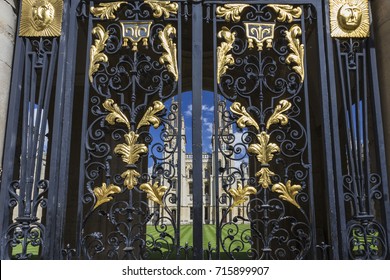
(8, 11)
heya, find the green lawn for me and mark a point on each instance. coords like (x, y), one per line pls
(33, 250)
(186, 236)
(209, 235)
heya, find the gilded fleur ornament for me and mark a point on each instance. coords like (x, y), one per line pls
(231, 12)
(241, 194)
(287, 192)
(106, 10)
(286, 13)
(103, 193)
(131, 151)
(155, 192)
(169, 56)
(41, 18)
(264, 151)
(296, 58)
(223, 58)
(162, 8)
(96, 54)
(349, 18)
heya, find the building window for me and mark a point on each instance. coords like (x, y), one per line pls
(207, 188)
(190, 188)
(174, 214)
(191, 213)
(206, 213)
(190, 173)
(206, 173)
(174, 185)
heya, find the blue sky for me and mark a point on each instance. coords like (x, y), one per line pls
(207, 119)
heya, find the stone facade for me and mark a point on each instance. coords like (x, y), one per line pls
(8, 18)
(209, 192)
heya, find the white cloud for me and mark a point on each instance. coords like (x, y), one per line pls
(206, 108)
(188, 112)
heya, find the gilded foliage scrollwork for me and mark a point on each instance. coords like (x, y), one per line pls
(130, 152)
(241, 194)
(224, 59)
(298, 51)
(231, 12)
(96, 54)
(103, 193)
(287, 192)
(264, 150)
(286, 13)
(162, 8)
(169, 55)
(106, 10)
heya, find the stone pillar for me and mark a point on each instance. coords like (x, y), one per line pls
(8, 11)
(381, 21)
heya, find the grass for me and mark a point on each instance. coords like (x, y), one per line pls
(33, 250)
(186, 236)
(209, 235)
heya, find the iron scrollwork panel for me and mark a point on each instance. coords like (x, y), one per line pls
(362, 178)
(132, 131)
(265, 168)
(26, 235)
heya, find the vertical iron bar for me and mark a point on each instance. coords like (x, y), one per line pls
(59, 158)
(179, 134)
(67, 89)
(197, 59)
(9, 158)
(215, 171)
(309, 149)
(24, 151)
(330, 112)
(80, 210)
(379, 134)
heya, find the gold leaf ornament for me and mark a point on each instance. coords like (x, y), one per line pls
(170, 55)
(264, 150)
(103, 193)
(278, 116)
(96, 54)
(149, 117)
(265, 175)
(161, 8)
(223, 58)
(241, 194)
(298, 51)
(131, 178)
(155, 192)
(286, 13)
(106, 10)
(115, 115)
(245, 119)
(130, 151)
(231, 12)
(287, 192)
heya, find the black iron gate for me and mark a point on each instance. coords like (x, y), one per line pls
(195, 130)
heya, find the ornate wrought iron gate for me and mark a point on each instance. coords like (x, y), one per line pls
(106, 150)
